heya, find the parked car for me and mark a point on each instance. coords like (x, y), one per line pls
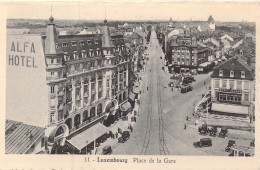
(204, 142)
(107, 150)
(203, 129)
(126, 135)
(213, 131)
(230, 144)
(121, 140)
(252, 143)
(223, 132)
(186, 88)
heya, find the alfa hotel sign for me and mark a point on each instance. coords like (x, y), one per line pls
(19, 54)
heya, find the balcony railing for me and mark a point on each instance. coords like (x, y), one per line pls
(85, 95)
(77, 84)
(78, 97)
(69, 87)
(60, 93)
(61, 106)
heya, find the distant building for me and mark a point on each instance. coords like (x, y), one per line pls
(183, 53)
(232, 90)
(207, 26)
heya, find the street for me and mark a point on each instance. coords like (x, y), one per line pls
(159, 129)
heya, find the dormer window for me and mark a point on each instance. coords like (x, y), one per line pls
(221, 73)
(231, 73)
(57, 46)
(89, 42)
(64, 44)
(73, 43)
(243, 75)
(82, 43)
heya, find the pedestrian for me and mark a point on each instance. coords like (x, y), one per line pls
(204, 82)
(185, 126)
(147, 88)
(116, 135)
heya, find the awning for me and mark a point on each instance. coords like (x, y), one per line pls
(132, 96)
(125, 106)
(89, 135)
(227, 108)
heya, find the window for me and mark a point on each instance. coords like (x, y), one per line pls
(221, 73)
(52, 117)
(216, 83)
(239, 85)
(82, 43)
(73, 43)
(52, 61)
(42, 142)
(224, 83)
(52, 89)
(242, 74)
(64, 44)
(246, 97)
(231, 84)
(231, 73)
(246, 85)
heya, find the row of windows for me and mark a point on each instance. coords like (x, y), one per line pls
(233, 98)
(231, 84)
(74, 43)
(232, 73)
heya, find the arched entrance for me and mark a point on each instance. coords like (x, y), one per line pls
(120, 98)
(68, 122)
(77, 120)
(92, 112)
(56, 137)
(85, 116)
(99, 109)
(110, 109)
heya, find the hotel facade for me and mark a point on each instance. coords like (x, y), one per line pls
(66, 83)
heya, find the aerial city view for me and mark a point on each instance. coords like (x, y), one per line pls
(130, 87)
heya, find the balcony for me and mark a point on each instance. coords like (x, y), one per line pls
(77, 84)
(61, 106)
(78, 97)
(68, 101)
(56, 78)
(93, 91)
(85, 94)
(69, 87)
(60, 93)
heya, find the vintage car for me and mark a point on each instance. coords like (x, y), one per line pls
(107, 150)
(186, 88)
(204, 142)
(213, 131)
(203, 129)
(230, 144)
(223, 132)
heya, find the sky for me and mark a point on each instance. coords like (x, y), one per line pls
(134, 10)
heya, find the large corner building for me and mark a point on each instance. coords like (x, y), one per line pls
(66, 83)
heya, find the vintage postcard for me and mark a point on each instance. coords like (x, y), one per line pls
(114, 84)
